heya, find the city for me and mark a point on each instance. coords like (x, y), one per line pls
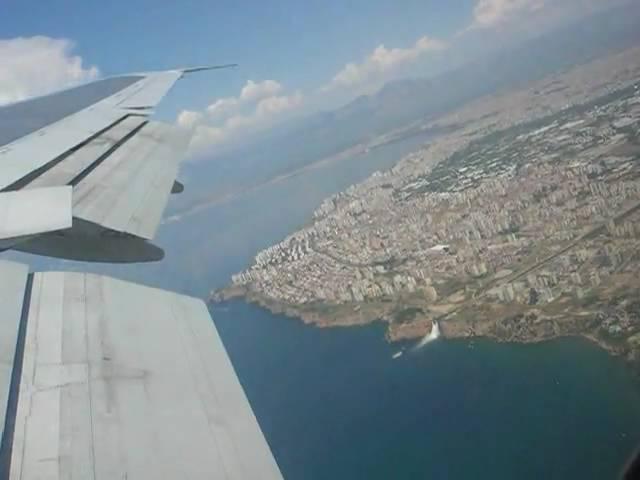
(519, 225)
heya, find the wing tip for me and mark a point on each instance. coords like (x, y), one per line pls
(203, 68)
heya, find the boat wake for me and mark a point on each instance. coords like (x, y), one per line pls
(430, 337)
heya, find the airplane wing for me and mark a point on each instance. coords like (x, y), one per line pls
(100, 378)
(104, 379)
(98, 140)
(27, 213)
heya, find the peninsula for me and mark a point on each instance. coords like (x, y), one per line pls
(521, 223)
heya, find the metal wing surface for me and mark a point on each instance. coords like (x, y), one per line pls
(98, 140)
(23, 213)
(104, 379)
(100, 378)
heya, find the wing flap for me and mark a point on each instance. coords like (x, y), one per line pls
(37, 150)
(79, 160)
(125, 381)
(129, 190)
(29, 212)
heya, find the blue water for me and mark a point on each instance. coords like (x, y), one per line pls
(333, 404)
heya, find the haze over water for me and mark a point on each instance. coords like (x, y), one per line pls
(333, 403)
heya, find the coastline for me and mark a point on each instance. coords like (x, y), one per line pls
(335, 316)
(516, 253)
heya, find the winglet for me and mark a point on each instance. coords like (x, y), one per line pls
(207, 67)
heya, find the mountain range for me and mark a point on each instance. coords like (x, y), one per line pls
(402, 102)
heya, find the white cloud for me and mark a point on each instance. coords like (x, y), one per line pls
(189, 118)
(262, 104)
(231, 118)
(265, 113)
(278, 104)
(509, 21)
(491, 13)
(383, 61)
(33, 66)
(239, 121)
(223, 107)
(204, 137)
(251, 93)
(254, 91)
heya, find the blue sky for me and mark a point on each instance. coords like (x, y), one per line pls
(299, 43)
(301, 56)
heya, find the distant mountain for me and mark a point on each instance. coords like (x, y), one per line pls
(404, 101)
(401, 102)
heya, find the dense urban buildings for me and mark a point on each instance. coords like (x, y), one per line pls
(520, 223)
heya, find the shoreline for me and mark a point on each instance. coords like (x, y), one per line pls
(513, 252)
(353, 151)
(352, 316)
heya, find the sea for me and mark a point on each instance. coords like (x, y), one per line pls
(343, 404)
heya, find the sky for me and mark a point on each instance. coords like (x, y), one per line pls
(295, 57)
